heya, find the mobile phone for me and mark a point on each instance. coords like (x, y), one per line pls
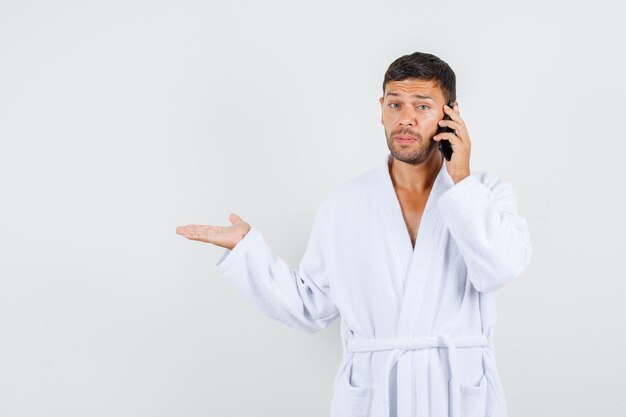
(444, 145)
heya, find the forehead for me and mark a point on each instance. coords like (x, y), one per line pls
(411, 86)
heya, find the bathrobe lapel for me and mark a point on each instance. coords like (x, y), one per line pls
(415, 262)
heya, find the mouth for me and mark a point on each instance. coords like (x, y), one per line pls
(405, 138)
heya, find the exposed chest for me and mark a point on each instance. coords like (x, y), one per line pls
(412, 205)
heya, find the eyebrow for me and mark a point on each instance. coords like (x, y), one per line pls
(414, 95)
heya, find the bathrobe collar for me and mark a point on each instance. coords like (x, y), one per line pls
(413, 261)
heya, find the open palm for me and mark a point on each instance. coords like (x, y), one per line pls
(224, 236)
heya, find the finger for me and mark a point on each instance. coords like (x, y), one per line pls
(454, 114)
(234, 218)
(198, 232)
(451, 123)
(454, 140)
(459, 128)
(183, 230)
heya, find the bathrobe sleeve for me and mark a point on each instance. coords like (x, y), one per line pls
(492, 237)
(296, 297)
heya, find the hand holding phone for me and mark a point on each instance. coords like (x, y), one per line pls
(444, 145)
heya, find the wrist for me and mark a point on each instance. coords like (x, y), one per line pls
(460, 177)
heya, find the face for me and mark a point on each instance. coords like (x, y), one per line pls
(411, 110)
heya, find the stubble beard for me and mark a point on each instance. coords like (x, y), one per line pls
(413, 153)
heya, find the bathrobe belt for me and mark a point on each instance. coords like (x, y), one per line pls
(401, 346)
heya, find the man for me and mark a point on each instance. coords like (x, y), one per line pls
(408, 254)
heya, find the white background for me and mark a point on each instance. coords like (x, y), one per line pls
(120, 120)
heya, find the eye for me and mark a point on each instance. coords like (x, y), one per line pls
(392, 104)
(424, 105)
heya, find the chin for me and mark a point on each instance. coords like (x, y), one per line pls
(411, 155)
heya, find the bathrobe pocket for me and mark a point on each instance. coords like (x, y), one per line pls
(350, 400)
(473, 398)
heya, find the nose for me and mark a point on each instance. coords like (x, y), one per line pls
(407, 117)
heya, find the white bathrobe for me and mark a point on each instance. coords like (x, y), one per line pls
(417, 325)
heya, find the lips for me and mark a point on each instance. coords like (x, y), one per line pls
(405, 138)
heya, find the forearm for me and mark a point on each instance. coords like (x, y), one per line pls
(492, 237)
(276, 290)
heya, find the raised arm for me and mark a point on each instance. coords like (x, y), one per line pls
(491, 235)
(297, 297)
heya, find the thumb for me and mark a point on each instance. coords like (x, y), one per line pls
(234, 219)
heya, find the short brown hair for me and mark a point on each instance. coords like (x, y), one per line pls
(426, 67)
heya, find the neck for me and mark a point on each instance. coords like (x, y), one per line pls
(415, 178)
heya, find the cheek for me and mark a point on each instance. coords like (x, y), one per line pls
(388, 119)
(432, 122)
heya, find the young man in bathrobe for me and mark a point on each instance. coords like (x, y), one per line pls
(408, 254)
